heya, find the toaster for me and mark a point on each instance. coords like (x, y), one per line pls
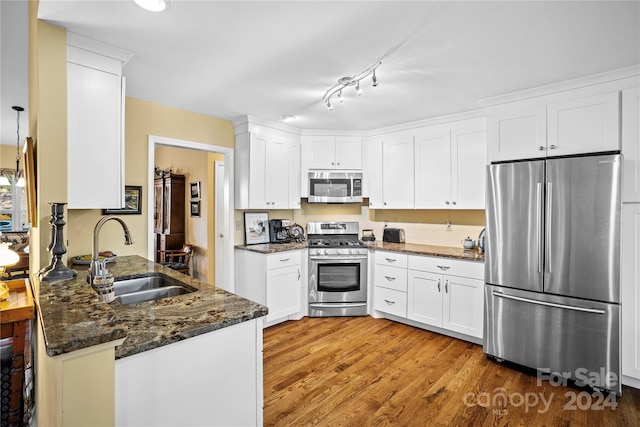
(393, 235)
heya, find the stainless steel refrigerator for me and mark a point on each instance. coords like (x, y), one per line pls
(552, 267)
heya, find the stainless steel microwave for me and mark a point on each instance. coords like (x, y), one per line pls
(335, 187)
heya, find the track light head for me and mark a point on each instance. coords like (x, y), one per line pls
(374, 80)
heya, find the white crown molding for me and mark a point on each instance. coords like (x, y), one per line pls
(474, 114)
(595, 79)
(247, 122)
(103, 49)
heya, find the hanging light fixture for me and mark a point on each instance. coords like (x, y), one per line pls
(19, 173)
(345, 82)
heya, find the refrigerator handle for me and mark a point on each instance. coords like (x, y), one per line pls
(540, 236)
(548, 304)
(548, 228)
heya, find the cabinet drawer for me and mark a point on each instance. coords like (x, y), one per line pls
(391, 258)
(391, 277)
(390, 301)
(283, 259)
(452, 267)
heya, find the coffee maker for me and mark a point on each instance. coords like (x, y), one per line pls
(279, 230)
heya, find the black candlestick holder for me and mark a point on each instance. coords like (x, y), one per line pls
(56, 270)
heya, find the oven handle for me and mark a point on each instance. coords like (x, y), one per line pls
(338, 304)
(336, 258)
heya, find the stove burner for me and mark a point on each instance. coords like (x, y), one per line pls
(335, 242)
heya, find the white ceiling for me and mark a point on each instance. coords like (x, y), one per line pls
(268, 59)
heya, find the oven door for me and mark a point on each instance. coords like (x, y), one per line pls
(338, 279)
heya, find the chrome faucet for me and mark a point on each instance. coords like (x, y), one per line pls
(95, 267)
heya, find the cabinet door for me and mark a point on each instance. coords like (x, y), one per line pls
(631, 144)
(174, 204)
(348, 152)
(158, 213)
(433, 170)
(373, 173)
(294, 175)
(519, 134)
(468, 168)
(425, 292)
(630, 290)
(277, 173)
(463, 305)
(397, 173)
(258, 172)
(322, 150)
(94, 138)
(283, 292)
(584, 125)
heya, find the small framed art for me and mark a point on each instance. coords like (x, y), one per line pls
(195, 190)
(256, 227)
(195, 208)
(132, 202)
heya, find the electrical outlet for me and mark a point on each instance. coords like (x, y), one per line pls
(238, 225)
(449, 228)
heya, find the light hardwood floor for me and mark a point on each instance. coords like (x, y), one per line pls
(361, 371)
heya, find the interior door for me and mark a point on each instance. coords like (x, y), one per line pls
(221, 221)
(514, 225)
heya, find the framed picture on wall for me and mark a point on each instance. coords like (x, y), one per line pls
(256, 227)
(132, 201)
(195, 208)
(195, 190)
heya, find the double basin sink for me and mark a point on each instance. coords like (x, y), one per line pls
(151, 287)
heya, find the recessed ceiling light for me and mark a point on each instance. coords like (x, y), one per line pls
(288, 118)
(153, 5)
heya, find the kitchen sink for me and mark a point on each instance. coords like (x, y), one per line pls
(149, 288)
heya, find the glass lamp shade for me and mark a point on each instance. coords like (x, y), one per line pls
(4, 180)
(20, 181)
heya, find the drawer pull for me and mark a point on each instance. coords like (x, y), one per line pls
(443, 267)
(284, 259)
(446, 286)
(391, 260)
(438, 285)
(390, 278)
(389, 302)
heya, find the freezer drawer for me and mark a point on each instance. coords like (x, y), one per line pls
(578, 338)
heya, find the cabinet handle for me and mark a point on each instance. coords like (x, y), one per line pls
(298, 274)
(370, 204)
(284, 259)
(454, 203)
(385, 203)
(338, 163)
(541, 148)
(391, 279)
(443, 267)
(553, 147)
(446, 286)
(333, 164)
(391, 260)
(446, 202)
(389, 302)
(438, 285)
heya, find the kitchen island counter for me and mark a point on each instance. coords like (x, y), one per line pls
(74, 317)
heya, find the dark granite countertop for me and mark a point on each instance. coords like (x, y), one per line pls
(430, 250)
(74, 317)
(272, 248)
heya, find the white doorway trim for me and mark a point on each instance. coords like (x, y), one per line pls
(155, 141)
(221, 221)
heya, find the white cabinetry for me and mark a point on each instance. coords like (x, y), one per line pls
(390, 283)
(573, 126)
(397, 172)
(446, 293)
(630, 298)
(372, 176)
(631, 144)
(95, 124)
(333, 152)
(267, 169)
(273, 280)
(450, 167)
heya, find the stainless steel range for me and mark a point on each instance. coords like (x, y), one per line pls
(337, 270)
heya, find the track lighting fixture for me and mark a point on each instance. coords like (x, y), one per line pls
(18, 174)
(345, 82)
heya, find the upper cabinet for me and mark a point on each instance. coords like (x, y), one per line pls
(333, 152)
(95, 124)
(631, 145)
(450, 163)
(578, 125)
(266, 162)
(397, 172)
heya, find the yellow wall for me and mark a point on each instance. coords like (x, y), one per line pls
(142, 119)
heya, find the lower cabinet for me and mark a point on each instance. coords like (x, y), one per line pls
(444, 293)
(274, 280)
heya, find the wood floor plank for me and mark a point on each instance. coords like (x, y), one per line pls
(362, 371)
